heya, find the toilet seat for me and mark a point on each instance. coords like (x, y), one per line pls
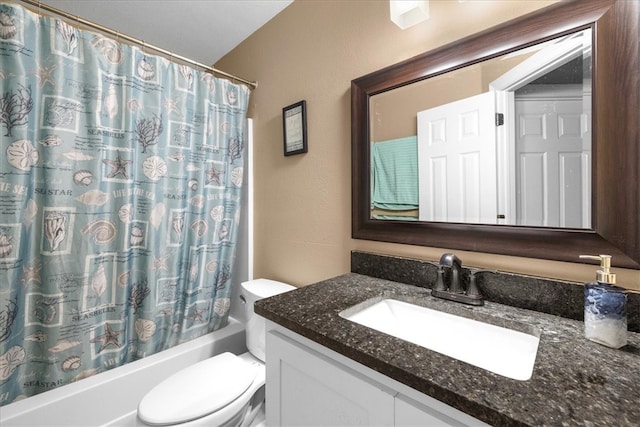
(222, 384)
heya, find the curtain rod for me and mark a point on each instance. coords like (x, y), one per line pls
(138, 42)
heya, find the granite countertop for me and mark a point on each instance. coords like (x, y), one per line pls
(575, 382)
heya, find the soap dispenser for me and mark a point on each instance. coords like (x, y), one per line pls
(605, 307)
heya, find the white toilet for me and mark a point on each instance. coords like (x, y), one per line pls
(225, 390)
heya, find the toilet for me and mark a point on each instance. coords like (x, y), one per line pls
(225, 390)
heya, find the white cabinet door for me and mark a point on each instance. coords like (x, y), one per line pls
(305, 388)
(409, 413)
(310, 385)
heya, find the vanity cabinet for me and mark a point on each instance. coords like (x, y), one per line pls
(308, 384)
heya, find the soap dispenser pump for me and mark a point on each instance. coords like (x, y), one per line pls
(605, 307)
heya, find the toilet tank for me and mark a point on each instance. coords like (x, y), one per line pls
(251, 291)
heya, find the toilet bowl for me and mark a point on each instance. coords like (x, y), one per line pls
(225, 390)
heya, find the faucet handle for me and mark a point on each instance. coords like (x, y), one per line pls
(440, 286)
(473, 290)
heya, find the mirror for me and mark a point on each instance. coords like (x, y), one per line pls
(593, 206)
(503, 141)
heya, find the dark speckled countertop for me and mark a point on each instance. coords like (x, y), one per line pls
(575, 382)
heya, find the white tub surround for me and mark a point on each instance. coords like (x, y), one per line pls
(111, 398)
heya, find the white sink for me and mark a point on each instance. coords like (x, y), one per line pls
(503, 351)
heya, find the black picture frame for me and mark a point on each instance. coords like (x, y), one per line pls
(294, 126)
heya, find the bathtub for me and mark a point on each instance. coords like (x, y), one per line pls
(111, 398)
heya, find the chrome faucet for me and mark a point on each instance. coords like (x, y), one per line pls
(452, 261)
(455, 291)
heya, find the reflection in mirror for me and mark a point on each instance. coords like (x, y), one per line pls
(611, 226)
(503, 141)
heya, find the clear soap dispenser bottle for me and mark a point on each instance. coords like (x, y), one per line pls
(605, 307)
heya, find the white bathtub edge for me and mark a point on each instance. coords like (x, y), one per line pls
(112, 395)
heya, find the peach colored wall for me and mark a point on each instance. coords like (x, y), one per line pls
(393, 113)
(312, 50)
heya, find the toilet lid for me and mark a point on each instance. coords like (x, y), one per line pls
(197, 391)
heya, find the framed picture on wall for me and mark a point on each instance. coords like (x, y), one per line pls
(294, 122)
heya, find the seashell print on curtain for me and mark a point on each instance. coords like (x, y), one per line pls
(120, 184)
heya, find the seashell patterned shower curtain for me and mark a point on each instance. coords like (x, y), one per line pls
(120, 183)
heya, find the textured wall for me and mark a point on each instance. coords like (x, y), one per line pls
(312, 50)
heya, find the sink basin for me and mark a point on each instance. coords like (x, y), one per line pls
(503, 351)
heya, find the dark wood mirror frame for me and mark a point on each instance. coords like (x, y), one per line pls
(616, 140)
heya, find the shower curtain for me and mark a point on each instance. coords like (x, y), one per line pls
(120, 183)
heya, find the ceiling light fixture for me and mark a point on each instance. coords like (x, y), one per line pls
(407, 13)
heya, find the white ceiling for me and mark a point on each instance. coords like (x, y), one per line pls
(201, 30)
